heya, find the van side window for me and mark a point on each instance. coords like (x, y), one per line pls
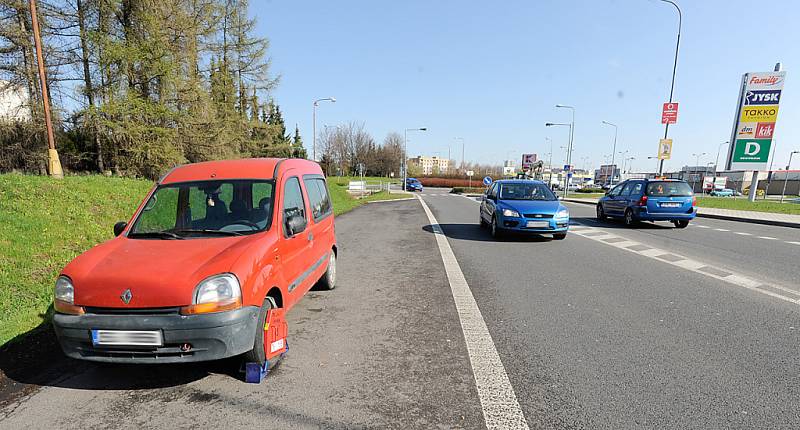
(318, 198)
(293, 203)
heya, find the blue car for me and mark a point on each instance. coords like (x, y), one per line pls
(523, 206)
(649, 200)
(413, 184)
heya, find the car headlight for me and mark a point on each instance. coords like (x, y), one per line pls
(510, 213)
(562, 213)
(64, 295)
(215, 294)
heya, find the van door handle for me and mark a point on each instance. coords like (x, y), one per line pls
(310, 237)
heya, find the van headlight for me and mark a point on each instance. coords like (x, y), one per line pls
(562, 213)
(215, 294)
(510, 213)
(64, 297)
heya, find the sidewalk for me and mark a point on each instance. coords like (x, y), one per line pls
(731, 215)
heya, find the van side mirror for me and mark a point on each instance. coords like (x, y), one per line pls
(119, 227)
(295, 224)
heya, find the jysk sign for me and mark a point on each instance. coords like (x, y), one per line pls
(756, 114)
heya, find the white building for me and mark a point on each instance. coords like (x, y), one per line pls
(431, 165)
(13, 102)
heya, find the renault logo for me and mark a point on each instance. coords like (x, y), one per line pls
(126, 296)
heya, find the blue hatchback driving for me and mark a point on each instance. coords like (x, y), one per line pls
(523, 206)
(413, 184)
(649, 200)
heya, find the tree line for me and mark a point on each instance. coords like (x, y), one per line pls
(138, 86)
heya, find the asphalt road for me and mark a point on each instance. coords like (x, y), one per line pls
(593, 336)
(589, 333)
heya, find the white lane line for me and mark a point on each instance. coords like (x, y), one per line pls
(767, 238)
(498, 401)
(742, 233)
(794, 243)
(700, 226)
(721, 274)
(721, 229)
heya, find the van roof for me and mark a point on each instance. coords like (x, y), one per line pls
(246, 168)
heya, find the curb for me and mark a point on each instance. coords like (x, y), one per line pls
(716, 216)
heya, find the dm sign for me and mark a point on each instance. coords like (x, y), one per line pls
(756, 114)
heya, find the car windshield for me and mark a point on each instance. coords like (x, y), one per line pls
(206, 209)
(526, 191)
(669, 189)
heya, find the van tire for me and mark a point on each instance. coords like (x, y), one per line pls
(328, 279)
(257, 354)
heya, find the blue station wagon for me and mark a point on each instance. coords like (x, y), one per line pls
(523, 206)
(649, 200)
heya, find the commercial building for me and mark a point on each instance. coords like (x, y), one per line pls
(430, 165)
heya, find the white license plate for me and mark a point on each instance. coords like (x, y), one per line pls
(127, 338)
(670, 205)
(538, 224)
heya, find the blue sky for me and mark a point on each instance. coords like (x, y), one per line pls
(491, 72)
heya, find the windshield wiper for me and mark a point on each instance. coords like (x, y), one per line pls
(207, 231)
(156, 234)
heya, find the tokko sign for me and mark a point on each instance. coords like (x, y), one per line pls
(754, 125)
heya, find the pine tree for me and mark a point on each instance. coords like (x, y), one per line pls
(298, 150)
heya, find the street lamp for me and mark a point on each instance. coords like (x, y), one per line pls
(613, 150)
(629, 166)
(716, 163)
(696, 164)
(405, 153)
(564, 124)
(569, 151)
(786, 178)
(674, 68)
(550, 162)
(314, 122)
(462, 150)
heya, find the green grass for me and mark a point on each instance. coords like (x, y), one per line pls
(742, 204)
(45, 223)
(574, 195)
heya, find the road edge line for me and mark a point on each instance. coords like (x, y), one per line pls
(501, 409)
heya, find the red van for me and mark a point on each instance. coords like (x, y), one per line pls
(193, 275)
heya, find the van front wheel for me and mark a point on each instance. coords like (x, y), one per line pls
(258, 354)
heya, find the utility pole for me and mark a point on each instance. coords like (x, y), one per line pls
(786, 178)
(53, 162)
(674, 68)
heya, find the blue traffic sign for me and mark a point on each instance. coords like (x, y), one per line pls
(487, 181)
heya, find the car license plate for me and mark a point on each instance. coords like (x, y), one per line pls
(127, 338)
(538, 224)
(670, 205)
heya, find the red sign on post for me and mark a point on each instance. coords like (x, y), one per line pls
(669, 114)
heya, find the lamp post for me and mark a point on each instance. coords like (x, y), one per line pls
(405, 152)
(629, 166)
(553, 124)
(786, 178)
(621, 170)
(674, 68)
(696, 164)
(613, 149)
(314, 123)
(462, 151)
(569, 150)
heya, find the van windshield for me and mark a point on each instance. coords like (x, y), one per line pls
(669, 189)
(206, 209)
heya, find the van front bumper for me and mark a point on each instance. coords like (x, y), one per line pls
(210, 336)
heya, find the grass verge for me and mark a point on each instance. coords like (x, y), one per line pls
(45, 223)
(742, 204)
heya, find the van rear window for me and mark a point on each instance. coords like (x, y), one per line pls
(669, 189)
